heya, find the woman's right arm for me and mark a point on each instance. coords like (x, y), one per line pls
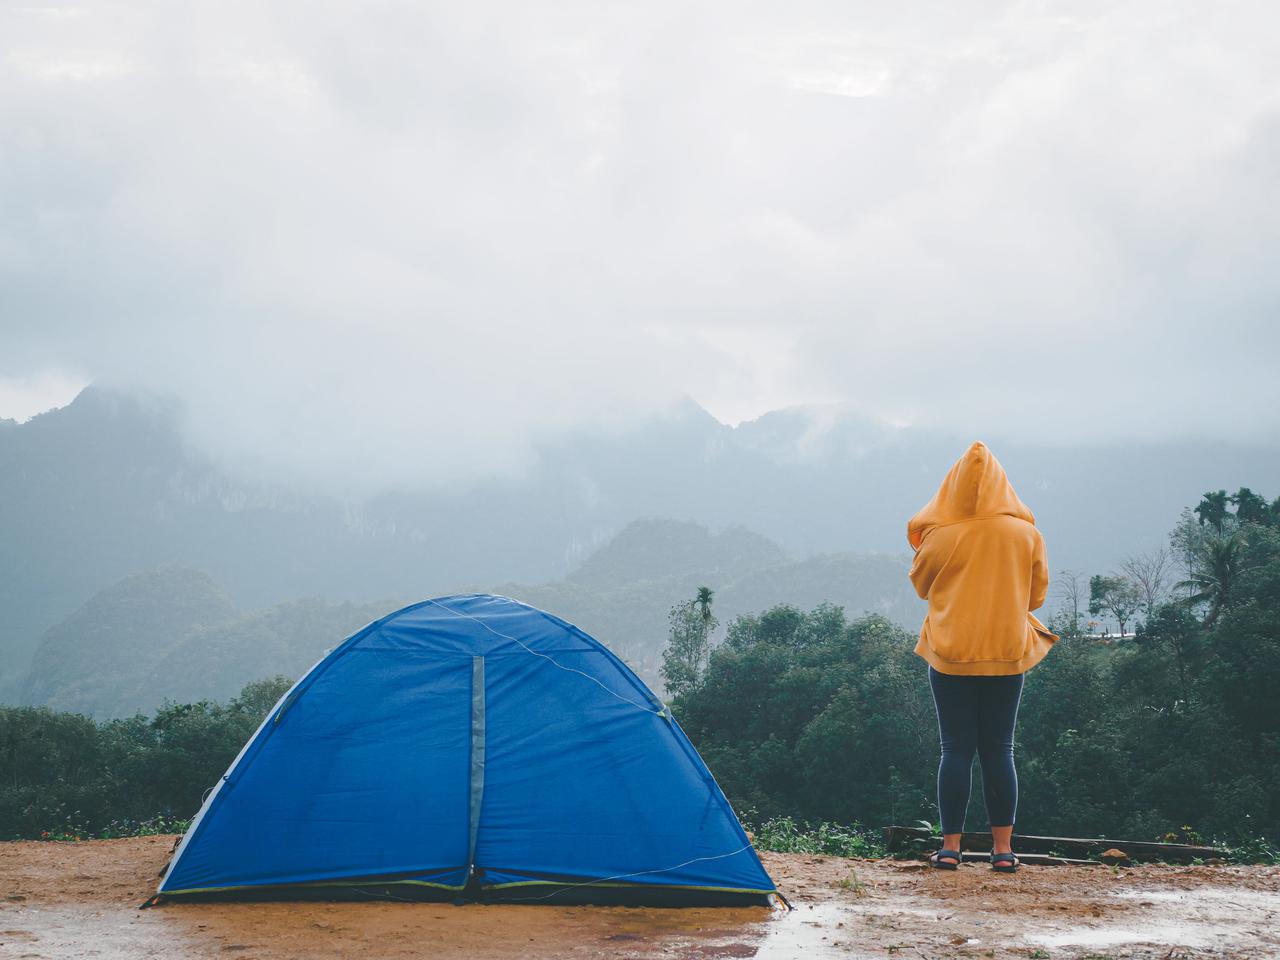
(1039, 574)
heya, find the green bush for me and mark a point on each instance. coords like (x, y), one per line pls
(785, 835)
(64, 776)
(1255, 850)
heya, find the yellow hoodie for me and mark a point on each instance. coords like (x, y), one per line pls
(980, 562)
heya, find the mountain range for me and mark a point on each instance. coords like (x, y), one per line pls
(109, 488)
(174, 634)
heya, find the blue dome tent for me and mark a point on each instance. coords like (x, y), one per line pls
(469, 747)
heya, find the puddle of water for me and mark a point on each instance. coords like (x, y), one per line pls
(1197, 917)
(1155, 895)
(70, 932)
(1171, 935)
(864, 929)
(817, 931)
(1254, 899)
(821, 930)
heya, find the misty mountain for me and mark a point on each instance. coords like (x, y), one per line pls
(174, 634)
(91, 661)
(108, 486)
(623, 592)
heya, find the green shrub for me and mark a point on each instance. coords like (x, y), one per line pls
(65, 777)
(785, 835)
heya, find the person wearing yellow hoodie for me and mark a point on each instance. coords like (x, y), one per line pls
(981, 564)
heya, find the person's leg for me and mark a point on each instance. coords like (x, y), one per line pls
(997, 714)
(957, 707)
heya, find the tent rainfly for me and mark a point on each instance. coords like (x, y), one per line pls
(469, 747)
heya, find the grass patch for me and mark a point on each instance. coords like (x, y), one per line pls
(787, 835)
(852, 884)
(1255, 850)
(154, 826)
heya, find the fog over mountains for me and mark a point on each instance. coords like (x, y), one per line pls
(106, 510)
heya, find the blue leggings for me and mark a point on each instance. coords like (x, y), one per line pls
(976, 713)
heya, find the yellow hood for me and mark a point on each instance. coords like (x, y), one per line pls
(976, 486)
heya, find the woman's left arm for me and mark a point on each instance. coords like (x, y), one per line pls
(923, 570)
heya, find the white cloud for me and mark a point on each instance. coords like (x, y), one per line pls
(21, 398)
(415, 237)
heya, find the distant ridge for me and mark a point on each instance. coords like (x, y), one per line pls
(172, 634)
(655, 549)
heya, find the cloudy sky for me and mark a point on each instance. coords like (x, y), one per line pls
(339, 229)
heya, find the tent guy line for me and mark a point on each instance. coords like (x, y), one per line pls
(553, 661)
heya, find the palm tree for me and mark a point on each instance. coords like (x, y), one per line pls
(1218, 562)
(685, 657)
(703, 603)
(1213, 509)
(1250, 506)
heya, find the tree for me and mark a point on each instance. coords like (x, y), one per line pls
(260, 696)
(1245, 642)
(1070, 593)
(703, 602)
(1184, 539)
(689, 645)
(1115, 595)
(1149, 572)
(806, 714)
(1250, 507)
(1212, 509)
(64, 773)
(1217, 566)
(1173, 627)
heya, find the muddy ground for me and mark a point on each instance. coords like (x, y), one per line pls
(60, 900)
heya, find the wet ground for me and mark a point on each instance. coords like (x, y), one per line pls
(63, 900)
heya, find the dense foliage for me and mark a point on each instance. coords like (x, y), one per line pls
(1175, 731)
(786, 835)
(65, 775)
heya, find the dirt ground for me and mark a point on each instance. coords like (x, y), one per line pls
(62, 900)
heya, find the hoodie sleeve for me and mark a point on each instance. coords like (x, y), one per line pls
(924, 568)
(1039, 574)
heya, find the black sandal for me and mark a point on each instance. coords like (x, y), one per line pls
(938, 861)
(1004, 863)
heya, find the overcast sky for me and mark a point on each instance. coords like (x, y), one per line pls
(439, 230)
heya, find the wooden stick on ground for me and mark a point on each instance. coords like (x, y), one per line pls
(1138, 851)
